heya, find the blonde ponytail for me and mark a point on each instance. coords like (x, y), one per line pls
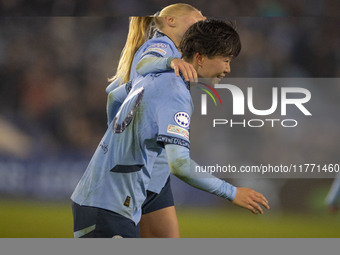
(140, 29)
(138, 34)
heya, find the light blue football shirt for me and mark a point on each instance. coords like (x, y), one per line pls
(159, 46)
(157, 111)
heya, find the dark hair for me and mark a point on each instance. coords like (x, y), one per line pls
(210, 38)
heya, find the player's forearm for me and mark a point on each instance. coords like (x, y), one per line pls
(114, 101)
(153, 65)
(113, 85)
(112, 108)
(183, 167)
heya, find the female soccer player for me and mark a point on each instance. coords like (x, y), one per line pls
(171, 23)
(154, 117)
(156, 55)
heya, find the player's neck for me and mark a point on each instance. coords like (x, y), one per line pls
(193, 62)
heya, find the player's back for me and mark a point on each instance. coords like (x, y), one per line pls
(120, 170)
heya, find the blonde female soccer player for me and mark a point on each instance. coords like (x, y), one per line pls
(140, 57)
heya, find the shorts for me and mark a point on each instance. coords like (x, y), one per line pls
(154, 201)
(93, 222)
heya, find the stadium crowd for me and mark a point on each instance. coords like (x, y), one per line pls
(146, 7)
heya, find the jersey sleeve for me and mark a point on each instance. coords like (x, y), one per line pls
(158, 49)
(183, 167)
(156, 58)
(151, 64)
(174, 115)
(115, 99)
(114, 84)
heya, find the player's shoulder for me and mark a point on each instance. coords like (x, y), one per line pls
(168, 76)
(166, 81)
(161, 45)
(161, 40)
(174, 78)
(172, 84)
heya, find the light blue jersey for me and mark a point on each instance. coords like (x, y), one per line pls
(157, 111)
(162, 47)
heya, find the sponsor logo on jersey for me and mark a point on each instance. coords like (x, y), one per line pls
(173, 129)
(182, 119)
(159, 45)
(173, 140)
(157, 50)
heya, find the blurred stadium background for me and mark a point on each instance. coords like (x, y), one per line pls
(55, 58)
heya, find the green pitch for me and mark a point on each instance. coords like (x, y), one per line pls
(239, 223)
(24, 219)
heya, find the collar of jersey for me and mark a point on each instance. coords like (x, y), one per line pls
(160, 34)
(187, 83)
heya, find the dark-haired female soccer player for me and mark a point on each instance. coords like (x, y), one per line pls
(154, 117)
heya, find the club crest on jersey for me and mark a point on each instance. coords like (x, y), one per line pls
(182, 119)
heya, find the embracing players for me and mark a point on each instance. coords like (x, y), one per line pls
(154, 118)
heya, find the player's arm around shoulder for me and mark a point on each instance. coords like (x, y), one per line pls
(153, 57)
(115, 99)
(160, 57)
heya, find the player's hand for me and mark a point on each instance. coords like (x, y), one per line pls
(187, 69)
(251, 200)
